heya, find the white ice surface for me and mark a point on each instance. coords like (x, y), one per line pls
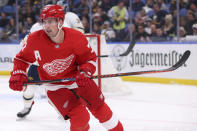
(150, 107)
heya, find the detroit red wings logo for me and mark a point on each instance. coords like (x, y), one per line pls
(58, 65)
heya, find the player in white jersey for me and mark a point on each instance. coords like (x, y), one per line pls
(72, 21)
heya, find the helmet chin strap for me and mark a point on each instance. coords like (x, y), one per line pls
(59, 29)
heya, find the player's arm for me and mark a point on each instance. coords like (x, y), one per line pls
(78, 26)
(75, 22)
(18, 74)
(19, 59)
(37, 26)
(86, 57)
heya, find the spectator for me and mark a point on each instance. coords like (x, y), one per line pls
(168, 27)
(23, 33)
(139, 20)
(182, 4)
(30, 13)
(183, 21)
(11, 28)
(159, 14)
(36, 6)
(190, 21)
(132, 28)
(26, 11)
(96, 28)
(141, 35)
(102, 14)
(137, 5)
(103, 9)
(143, 14)
(174, 17)
(148, 23)
(160, 36)
(108, 32)
(105, 5)
(127, 3)
(95, 4)
(149, 3)
(194, 28)
(97, 19)
(3, 3)
(85, 22)
(119, 17)
(11, 2)
(80, 7)
(4, 37)
(149, 6)
(85, 12)
(28, 23)
(153, 30)
(182, 32)
(3, 20)
(193, 7)
(162, 5)
(141, 17)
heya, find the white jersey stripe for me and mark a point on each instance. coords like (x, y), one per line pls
(111, 123)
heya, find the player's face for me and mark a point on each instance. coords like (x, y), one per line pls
(50, 26)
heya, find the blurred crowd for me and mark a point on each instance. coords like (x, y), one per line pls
(118, 20)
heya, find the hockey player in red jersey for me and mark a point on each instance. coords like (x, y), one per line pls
(71, 20)
(61, 53)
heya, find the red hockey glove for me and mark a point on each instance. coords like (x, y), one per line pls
(83, 75)
(86, 72)
(88, 69)
(81, 78)
(17, 79)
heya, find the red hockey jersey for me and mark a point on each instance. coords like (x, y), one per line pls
(56, 61)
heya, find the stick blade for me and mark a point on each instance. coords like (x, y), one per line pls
(182, 60)
(129, 49)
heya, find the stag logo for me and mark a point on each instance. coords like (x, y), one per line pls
(120, 62)
(58, 65)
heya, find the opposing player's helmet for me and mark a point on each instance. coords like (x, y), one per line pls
(52, 11)
(62, 3)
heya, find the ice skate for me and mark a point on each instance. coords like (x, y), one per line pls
(23, 113)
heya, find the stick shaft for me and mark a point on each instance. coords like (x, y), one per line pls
(174, 67)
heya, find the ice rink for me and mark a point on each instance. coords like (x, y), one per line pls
(150, 107)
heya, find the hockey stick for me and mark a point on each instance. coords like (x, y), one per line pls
(174, 67)
(129, 49)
